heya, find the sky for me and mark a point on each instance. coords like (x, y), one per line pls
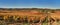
(30, 3)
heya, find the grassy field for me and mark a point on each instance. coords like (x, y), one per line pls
(29, 24)
(4, 23)
(55, 23)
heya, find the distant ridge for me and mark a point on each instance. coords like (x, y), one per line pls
(27, 9)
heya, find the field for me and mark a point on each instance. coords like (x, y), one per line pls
(29, 17)
(55, 23)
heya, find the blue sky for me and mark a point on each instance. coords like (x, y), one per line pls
(30, 3)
